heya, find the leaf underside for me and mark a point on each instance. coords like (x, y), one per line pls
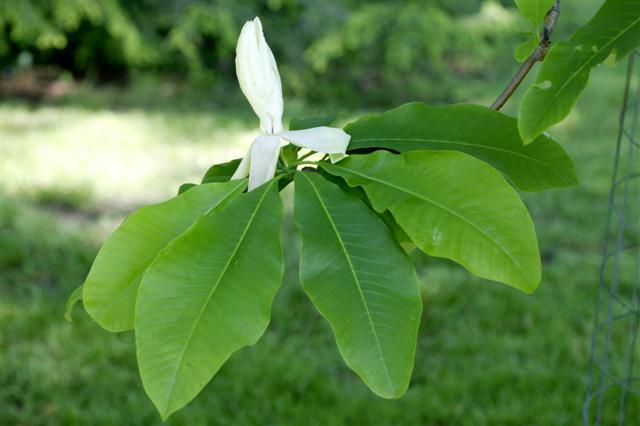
(478, 131)
(361, 281)
(397, 232)
(207, 294)
(454, 206)
(111, 287)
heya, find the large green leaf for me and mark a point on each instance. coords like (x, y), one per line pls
(564, 75)
(208, 294)
(479, 131)
(452, 205)
(361, 281)
(110, 290)
(534, 10)
(221, 172)
(307, 123)
(397, 232)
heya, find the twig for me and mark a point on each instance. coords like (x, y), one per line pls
(538, 55)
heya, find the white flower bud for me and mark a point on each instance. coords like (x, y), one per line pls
(259, 78)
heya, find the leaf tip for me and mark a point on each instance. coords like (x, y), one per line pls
(530, 286)
(74, 297)
(392, 392)
(526, 133)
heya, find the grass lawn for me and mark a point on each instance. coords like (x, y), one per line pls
(487, 354)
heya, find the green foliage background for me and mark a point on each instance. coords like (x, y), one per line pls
(349, 52)
(74, 167)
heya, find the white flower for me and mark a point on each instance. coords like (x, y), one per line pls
(260, 82)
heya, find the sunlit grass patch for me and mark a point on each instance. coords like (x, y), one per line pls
(487, 354)
(123, 157)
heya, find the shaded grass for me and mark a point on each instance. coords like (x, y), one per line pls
(487, 354)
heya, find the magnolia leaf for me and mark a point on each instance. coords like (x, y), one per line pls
(74, 297)
(109, 294)
(361, 281)
(476, 130)
(534, 10)
(398, 233)
(308, 123)
(525, 49)
(185, 187)
(289, 153)
(221, 172)
(452, 205)
(207, 294)
(564, 74)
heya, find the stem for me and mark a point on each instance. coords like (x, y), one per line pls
(284, 160)
(290, 169)
(308, 154)
(306, 162)
(538, 55)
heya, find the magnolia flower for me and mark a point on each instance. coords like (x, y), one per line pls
(260, 82)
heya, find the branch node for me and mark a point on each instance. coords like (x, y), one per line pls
(538, 55)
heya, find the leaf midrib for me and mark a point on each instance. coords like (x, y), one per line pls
(357, 281)
(456, 142)
(452, 212)
(573, 75)
(213, 290)
(138, 276)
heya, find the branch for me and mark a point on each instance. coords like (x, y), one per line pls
(538, 55)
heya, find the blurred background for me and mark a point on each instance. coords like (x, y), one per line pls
(111, 104)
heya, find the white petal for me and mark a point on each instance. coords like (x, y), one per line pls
(264, 158)
(259, 78)
(320, 139)
(243, 168)
(337, 157)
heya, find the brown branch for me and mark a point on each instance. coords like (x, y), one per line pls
(538, 55)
